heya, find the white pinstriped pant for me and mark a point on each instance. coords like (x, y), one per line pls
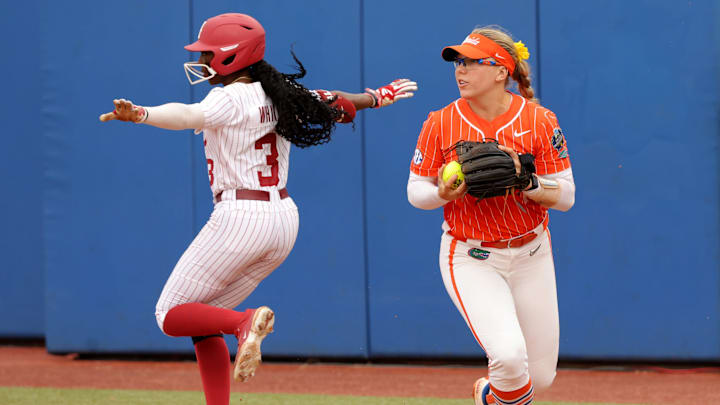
(509, 301)
(240, 245)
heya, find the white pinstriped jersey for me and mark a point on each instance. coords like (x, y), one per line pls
(240, 245)
(241, 147)
(526, 128)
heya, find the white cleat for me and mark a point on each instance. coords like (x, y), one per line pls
(248, 356)
(478, 388)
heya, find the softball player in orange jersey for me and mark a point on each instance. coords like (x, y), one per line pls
(248, 126)
(495, 254)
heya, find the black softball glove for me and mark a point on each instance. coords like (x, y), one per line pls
(490, 172)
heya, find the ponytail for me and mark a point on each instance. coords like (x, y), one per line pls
(522, 77)
(522, 69)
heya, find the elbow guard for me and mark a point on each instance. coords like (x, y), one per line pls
(346, 107)
(340, 103)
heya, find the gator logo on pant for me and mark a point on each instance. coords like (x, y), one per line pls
(478, 253)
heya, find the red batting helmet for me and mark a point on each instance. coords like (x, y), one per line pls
(228, 35)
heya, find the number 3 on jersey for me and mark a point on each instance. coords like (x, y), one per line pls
(270, 158)
(211, 167)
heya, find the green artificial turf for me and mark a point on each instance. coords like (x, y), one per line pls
(65, 396)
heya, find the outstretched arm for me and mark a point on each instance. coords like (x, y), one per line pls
(381, 97)
(350, 103)
(361, 101)
(175, 116)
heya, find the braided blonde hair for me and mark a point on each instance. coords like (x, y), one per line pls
(522, 69)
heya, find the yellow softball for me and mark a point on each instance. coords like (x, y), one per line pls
(451, 169)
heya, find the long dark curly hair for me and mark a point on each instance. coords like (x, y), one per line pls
(303, 119)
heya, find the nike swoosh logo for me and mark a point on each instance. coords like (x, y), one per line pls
(497, 55)
(532, 252)
(516, 134)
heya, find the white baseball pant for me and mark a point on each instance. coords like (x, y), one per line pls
(509, 301)
(240, 245)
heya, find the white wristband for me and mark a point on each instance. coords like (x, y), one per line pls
(547, 183)
(536, 191)
(144, 115)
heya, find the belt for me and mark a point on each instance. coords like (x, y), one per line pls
(511, 243)
(257, 195)
(507, 243)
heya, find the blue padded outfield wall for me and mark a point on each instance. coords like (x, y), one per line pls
(96, 215)
(638, 257)
(22, 287)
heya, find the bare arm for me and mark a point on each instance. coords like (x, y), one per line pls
(361, 101)
(381, 97)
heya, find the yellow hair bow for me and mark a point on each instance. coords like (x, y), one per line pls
(522, 51)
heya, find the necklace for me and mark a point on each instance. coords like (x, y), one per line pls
(241, 77)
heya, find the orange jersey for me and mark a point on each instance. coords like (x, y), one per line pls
(527, 128)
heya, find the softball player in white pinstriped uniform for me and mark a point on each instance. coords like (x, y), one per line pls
(248, 127)
(243, 153)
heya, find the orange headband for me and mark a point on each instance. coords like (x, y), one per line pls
(477, 46)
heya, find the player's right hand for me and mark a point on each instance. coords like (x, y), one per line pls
(125, 110)
(515, 157)
(446, 190)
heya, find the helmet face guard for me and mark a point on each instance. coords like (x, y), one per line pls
(236, 41)
(196, 70)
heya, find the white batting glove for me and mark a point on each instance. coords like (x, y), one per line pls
(396, 90)
(125, 110)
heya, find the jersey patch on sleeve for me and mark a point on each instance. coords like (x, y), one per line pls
(558, 143)
(418, 158)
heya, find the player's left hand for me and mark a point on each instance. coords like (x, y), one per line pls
(396, 90)
(125, 110)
